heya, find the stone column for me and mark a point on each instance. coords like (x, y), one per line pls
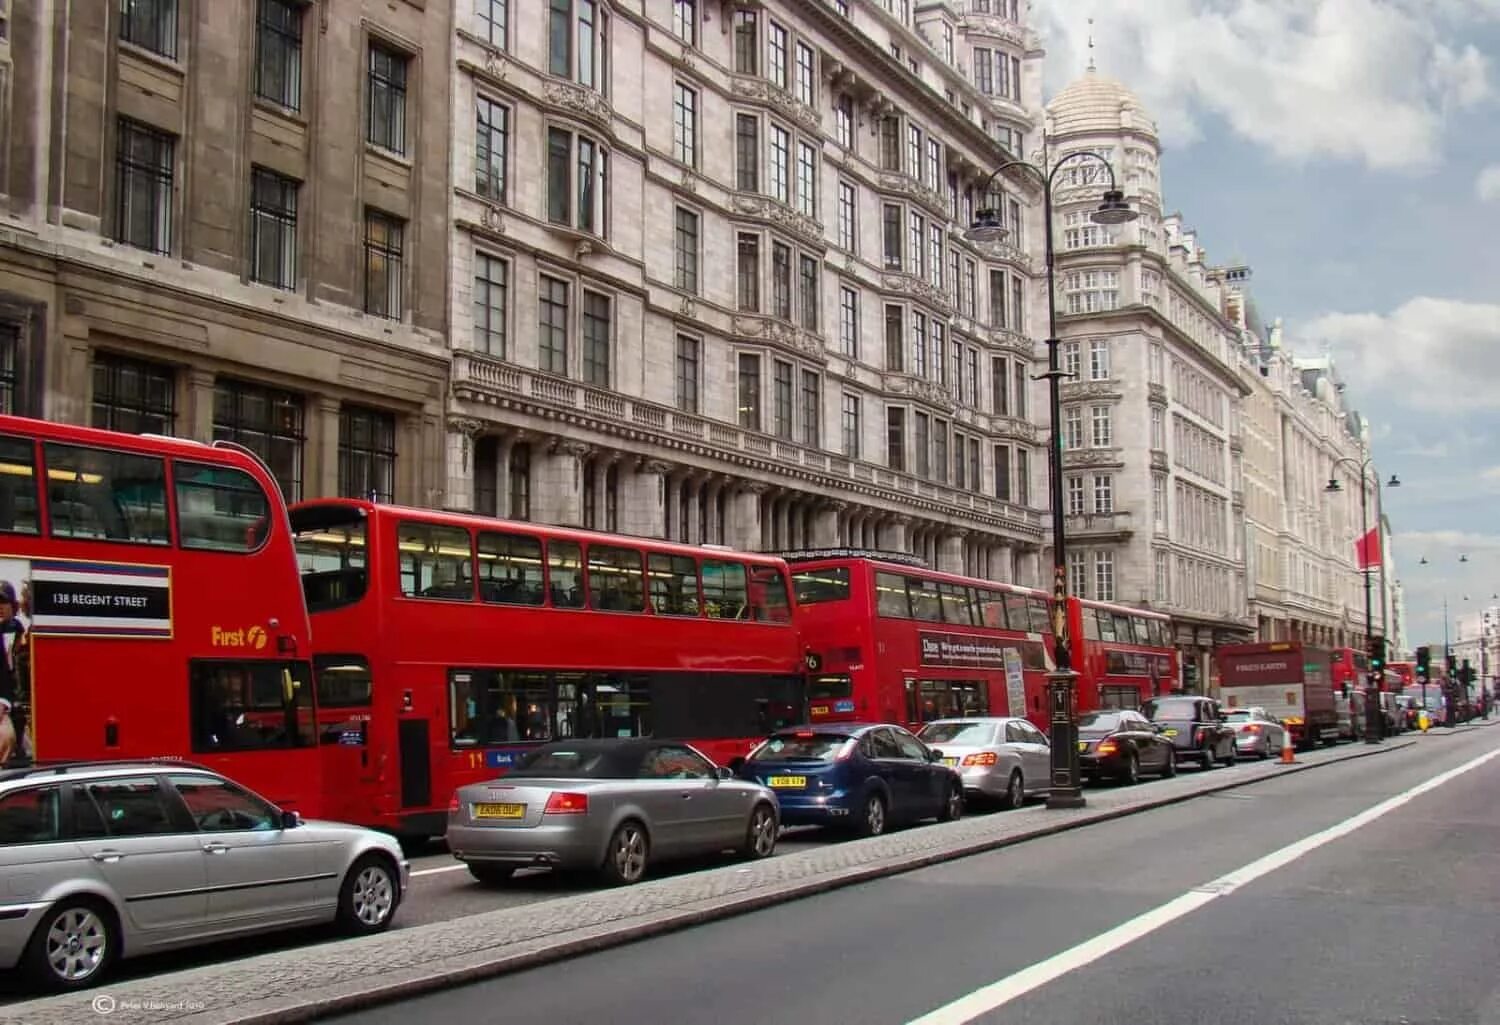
(504, 445)
(643, 499)
(321, 479)
(695, 490)
(201, 404)
(826, 524)
(744, 521)
(897, 530)
(600, 484)
(1034, 576)
(950, 553)
(557, 484)
(460, 460)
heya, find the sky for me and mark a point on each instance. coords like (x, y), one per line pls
(1349, 152)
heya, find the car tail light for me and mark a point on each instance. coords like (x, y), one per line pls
(982, 758)
(1108, 747)
(567, 804)
(1253, 729)
(1197, 736)
(453, 804)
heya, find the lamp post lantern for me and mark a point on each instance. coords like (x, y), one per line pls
(1374, 717)
(989, 226)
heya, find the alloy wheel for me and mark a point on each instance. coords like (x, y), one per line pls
(763, 832)
(374, 895)
(874, 815)
(630, 853)
(77, 944)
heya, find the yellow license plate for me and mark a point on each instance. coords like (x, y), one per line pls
(818, 710)
(788, 781)
(499, 811)
(1169, 733)
(950, 761)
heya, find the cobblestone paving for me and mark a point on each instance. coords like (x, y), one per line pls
(282, 985)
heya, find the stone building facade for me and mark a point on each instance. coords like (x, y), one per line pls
(708, 278)
(229, 220)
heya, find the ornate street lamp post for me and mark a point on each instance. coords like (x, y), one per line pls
(1374, 647)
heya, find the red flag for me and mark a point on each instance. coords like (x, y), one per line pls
(1367, 549)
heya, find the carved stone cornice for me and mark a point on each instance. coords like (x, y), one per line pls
(767, 209)
(1091, 457)
(778, 332)
(655, 466)
(920, 289)
(467, 427)
(994, 26)
(1073, 391)
(575, 99)
(906, 185)
(1004, 251)
(752, 87)
(1156, 394)
(919, 388)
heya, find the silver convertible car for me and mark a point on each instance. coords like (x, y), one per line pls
(615, 806)
(104, 860)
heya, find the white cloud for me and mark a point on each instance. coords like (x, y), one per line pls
(1434, 355)
(1487, 185)
(1367, 80)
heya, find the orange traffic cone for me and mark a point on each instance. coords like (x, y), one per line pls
(1287, 757)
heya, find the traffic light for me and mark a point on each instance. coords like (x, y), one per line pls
(1424, 663)
(1377, 656)
(1452, 667)
(1466, 674)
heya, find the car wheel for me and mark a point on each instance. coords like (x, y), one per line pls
(1233, 757)
(628, 852)
(760, 835)
(1170, 769)
(873, 819)
(1131, 774)
(73, 946)
(1015, 790)
(1206, 758)
(492, 875)
(368, 898)
(953, 804)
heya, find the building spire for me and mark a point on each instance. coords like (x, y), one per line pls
(1091, 45)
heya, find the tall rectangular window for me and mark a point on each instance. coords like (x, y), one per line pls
(278, 52)
(895, 337)
(685, 20)
(496, 17)
(1099, 359)
(491, 293)
(577, 181)
(143, 187)
(491, 148)
(971, 380)
(686, 246)
(747, 273)
(807, 180)
(849, 323)
(1071, 358)
(1078, 574)
(890, 143)
(689, 381)
(273, 229)
(10, 344)
(385, 125)
(781, 399)
(781, 164)
(935, 256)
(846, 226)
(746, 153)
(895, 437)
(1073, 428)
(809, 295)
(997, 299)
(1075, 496)
(940, 451)
(921, 444)
(914, 151)
(781, 281)
(851, 426)
(939, 352)
(984, 71)
(685, 124)
(806, 74)
(843, 121)
(1104, 576)
(749, 391)
(776, 54)
(596, 339)
(932, 169)
(918, 344)
(1102, 434)
(1023, 476)
(1021, 390)
(552, 325)
(746, 43)
(1017, 304)
(367, 454)
(960, 478)
(1000, 385)
(890, 231)
(132, 396)
(957, 382)
(269, 422)
(1104, 493)
(916, 230)
(384, 265)
(1002, 473)
(812, 409)
(150, 24)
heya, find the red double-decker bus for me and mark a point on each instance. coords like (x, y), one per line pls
(899, 642)
(150, 607)
(1349, 667)
(445, 644)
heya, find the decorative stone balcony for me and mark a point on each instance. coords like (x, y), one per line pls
(1114, 526)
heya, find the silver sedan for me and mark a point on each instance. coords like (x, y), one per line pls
(1256, 733)
(1000, 758)
(615, 806)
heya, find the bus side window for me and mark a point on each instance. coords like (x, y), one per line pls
(18, 498)
(114, 496)
(725, 595)
(510, 569)
(565, 574)
(219, 508)
(615, 579)
(890, 596)
(768, 596)
(436, 561)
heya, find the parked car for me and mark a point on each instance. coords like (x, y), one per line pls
(999, 758)
(860, 776)
(1120, 745)
(103, 860)
(1256, 733)
(1196, 728)
(616, 806)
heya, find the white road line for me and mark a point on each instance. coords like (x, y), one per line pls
(1001, 992)
(435, 871)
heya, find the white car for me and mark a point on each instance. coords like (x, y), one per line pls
(1000, 758)
(1256, 733)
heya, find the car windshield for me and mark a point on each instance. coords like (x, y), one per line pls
(809, 746)
(571, 762)
(1099, 722)
(971, 733)
(1240, 715)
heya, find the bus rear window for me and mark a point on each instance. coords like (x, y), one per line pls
(332, 562)
(343, 681)
(768, 597)
(829, 688)
(817, 586)
(219, 508)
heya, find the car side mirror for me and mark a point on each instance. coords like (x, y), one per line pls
(290, 820)
(725, 772)
(934, 755)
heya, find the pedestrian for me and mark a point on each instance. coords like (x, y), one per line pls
(7, 733)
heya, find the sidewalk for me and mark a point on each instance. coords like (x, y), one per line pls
(297, 985)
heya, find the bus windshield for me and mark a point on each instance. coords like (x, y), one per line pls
(331, 556)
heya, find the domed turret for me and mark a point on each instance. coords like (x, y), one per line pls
(1097, 103)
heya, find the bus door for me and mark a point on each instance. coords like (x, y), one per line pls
(352, 749)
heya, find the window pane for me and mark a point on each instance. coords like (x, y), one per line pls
(18, 494)
(436, 561)
(674, 585)
(725, 594)
(92, 493)
(248, 706)
(135, 807)
(768, 596)
(33, 815)
(510, 569)
(565, 574)
(219, 508)
(615, 583)
(218, 806)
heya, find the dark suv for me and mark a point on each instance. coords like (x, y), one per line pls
(1196, 728)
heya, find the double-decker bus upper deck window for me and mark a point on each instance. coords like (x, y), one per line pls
(219, 508)
(18, 498)
(1106, 624)
(768, 596)
(1123, 633)
(725, 592)
(1161, 635)
(615, 581)
(890, 596)
(343, 681)
(816, 586)
(250, 705)
(332, 562)
(437, 561)
(1017, 611)
(1041, 620)
(107, 496)
(958, 604)
(926, 604)
(991, 609)
(1142, 631)
(1090, 625)
(510, 569)
(565, 574)
(674, 585)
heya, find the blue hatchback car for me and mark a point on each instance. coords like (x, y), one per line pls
(859, 776)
